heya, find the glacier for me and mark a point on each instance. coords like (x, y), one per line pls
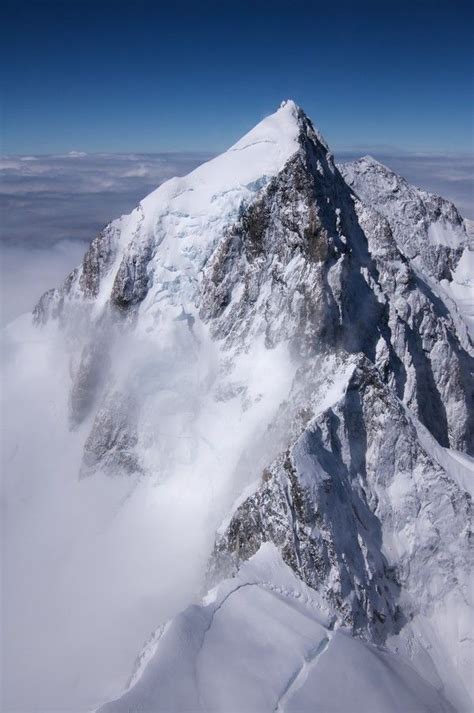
(256, 385)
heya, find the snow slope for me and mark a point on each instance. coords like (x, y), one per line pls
(263, 641)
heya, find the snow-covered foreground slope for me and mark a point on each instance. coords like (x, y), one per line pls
(269, 359)
(262, 642)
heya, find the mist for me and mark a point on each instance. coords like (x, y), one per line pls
(85, 551)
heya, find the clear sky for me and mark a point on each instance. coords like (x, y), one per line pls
(146, 75)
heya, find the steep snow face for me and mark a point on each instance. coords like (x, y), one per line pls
(252, 351)
(264, 642)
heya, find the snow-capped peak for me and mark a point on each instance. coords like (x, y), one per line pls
(256, 344)
(259, 154)
(368, 161)
(428, 229)
(175, 229)
(280, 129)
(289, 102)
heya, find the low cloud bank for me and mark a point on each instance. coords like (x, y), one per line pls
(45, 199)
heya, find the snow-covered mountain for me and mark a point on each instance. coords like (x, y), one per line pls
(258, 383)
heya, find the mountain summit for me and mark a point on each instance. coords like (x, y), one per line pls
(262, 386)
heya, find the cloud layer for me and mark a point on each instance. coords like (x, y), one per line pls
(50, 198)
(52, 206)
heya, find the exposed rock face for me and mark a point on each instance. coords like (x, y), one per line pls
(331, 502)
(420, 351)
(51, 304)
(287, 254)
(112, 441)
(428, 229)
(309, 263)
(131, 282)
(98, 260)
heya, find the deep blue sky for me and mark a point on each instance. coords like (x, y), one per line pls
(154, 76)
